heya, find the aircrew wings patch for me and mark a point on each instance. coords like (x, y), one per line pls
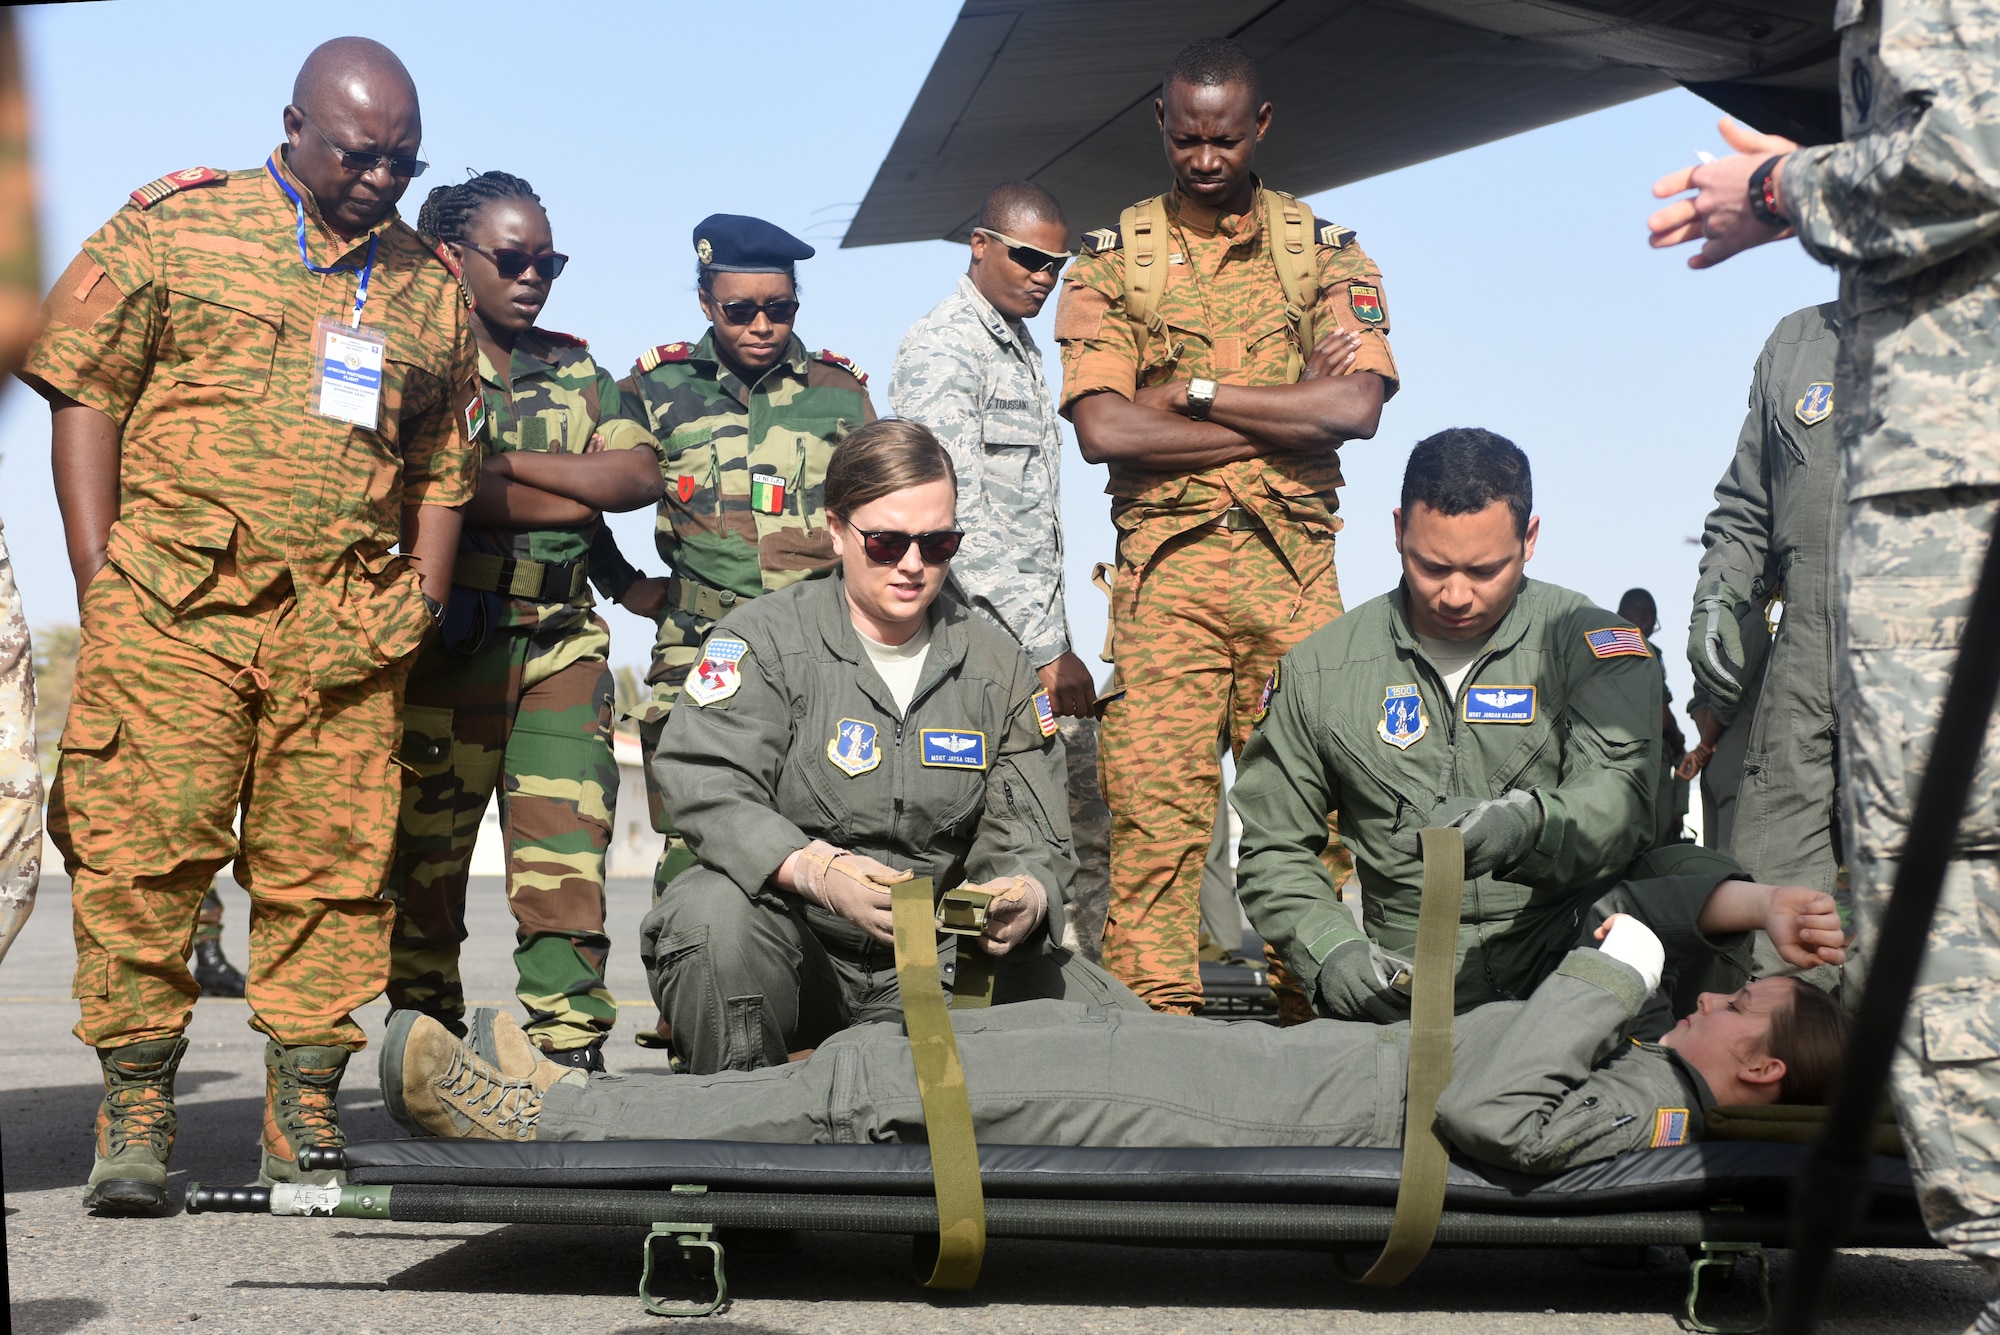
(1617, 642)
(148, 195)
(1332, 234)
(1103, 240)
(653, 357)
(831, 358)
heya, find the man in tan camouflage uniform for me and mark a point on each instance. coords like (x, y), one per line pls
(236, 455)
(1908, 207)
(1218, 346)
(972, 373)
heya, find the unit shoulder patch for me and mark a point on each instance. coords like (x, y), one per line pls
(174, 182)
(828, 357)
(1403, 723)
(1332, 235)
(654, 357)
(1617, 642)
(719, 674)
(1366, 302)
(1816, 405)
(1103, 240)
(852, 748)
(560, 339)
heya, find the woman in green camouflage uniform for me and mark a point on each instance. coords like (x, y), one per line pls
(517, 693)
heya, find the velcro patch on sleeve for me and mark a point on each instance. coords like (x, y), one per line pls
(1045, 713)
(719, 674)
(1617, 642)
(1670, 1127)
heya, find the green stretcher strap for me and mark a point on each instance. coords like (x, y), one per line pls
(961, 1204)
(1426, 1158)
(962, 916)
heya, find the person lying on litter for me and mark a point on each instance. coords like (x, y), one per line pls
(1540, 1085)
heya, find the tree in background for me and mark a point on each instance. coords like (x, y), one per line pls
(55, 669)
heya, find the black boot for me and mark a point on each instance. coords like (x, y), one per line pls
(589, 1060)
(217, 976)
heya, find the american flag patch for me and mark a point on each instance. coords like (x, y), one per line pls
(1045, 714)
(1670, 1127)
(1617, 641)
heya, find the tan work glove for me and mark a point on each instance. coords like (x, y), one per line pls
(1019, 905)
(853, 886)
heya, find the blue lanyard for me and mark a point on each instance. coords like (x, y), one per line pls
(368, 266)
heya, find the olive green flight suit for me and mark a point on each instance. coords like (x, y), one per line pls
(1540, 1085)
(784, 734)
(1563, 703)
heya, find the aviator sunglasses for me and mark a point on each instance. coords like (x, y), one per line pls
(782, 310)
(1025, 255)
(514, 263)
(361, 163)
(885, 547)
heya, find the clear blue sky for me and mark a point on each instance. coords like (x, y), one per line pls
(1521, 291)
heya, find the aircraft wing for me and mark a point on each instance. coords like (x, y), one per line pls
(1061, 92)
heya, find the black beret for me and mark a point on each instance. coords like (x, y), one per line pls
(733, 243)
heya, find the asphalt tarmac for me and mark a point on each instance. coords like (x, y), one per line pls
(70, 1272)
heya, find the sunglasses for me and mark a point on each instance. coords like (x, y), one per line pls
(1025, 255)
(782, 310)
(514, 263)
(361, 163)
(886, 547)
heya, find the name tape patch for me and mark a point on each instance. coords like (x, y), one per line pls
(954, 748)
(1499, 704)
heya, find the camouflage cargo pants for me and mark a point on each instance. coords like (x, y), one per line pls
(1090, 834)
(676, 649)
(1908, 565)
(1196, 635)
(164, 749)
(501, 720)
(20, 768)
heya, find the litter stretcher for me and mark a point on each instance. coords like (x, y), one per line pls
(1725, 1199)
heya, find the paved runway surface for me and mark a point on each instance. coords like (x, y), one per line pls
(218, 1273)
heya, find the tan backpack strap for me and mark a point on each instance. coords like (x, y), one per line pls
(1289, 227)
(1144, 226)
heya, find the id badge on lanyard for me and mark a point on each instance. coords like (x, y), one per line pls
(347, 372)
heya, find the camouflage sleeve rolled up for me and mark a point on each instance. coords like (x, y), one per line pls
(1736, 539)
(621, 422)
(1917, 180)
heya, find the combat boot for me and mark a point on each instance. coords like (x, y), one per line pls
(436, 1085)
(135, 1129)
(299, 1111)
(212, 969)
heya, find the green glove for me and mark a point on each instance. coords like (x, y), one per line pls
(1715, 641)
(1499, 832)
(1354, 984)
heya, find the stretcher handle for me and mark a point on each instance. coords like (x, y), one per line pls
(1433, 999)
(961, 1203)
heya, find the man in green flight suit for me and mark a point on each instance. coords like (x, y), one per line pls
(1470, 696)
(747, 420)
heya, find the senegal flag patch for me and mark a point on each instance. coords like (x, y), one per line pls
(1366, 302)
(767, 493)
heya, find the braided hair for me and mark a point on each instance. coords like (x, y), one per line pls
(449, 209)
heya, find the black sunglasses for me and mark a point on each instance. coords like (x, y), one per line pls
(885, 547)
(782, 310)
(1027, 256)
(361, 163)
(514, 263)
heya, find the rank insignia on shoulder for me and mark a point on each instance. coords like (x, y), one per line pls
(719, 674)
(832, 358)
(1617, 642)
(1332, 235)
(1103, 240)
(1366, 303)
(1270, 693)
(1670, 1127)
(651, 358)
(852, 748)
(954, 748)
(1045, 713)
(152, 193)
(443, 252)
(562, 340)
(1403, 723)
(1817, 405)
(1499, 704)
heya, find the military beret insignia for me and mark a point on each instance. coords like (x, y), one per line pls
(1817, 405)
(703, 251)
(1103, 240)
(1332, 234)
(665, 352)
(846, 364)
(148, 195)
(1366, 302)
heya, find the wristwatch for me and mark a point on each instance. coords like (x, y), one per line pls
(1764, 194)
(1201, 397)
(435, 608)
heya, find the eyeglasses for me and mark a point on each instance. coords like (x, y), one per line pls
(361, 163)
(1028, 257)
(514, 263)
(782, 310)
(886, 547)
